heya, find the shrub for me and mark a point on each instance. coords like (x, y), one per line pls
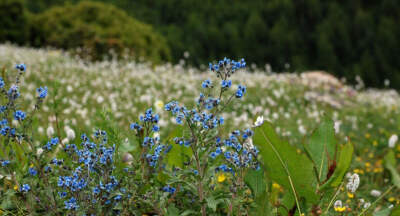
(98, 28)
(13, 22)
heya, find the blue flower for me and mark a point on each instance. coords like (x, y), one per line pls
(169, 189)
(5, 163)
(240, 91)
(206, 84)
(32, 171)
(42, 91)
(62, 194)
(25, 188)
(21, 67)
(226, 83)
(96, 190)
(19, 115)
(1, 83)
(13, 92)
(71, 204)
(156, 128)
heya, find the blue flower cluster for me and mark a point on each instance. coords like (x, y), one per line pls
(149, 125)
(240, 91)
(53, 142)
(42, 92)
(240, 151)
(206, 120)
(72, 183)
(4, 162)
(224, 168)
(71, 204)
(19, 115)
(13, 92)
(226, 67)
(206, 84)
(169, 189)
(21, 67)
(6, 130)
(25, 188)
(32, 171)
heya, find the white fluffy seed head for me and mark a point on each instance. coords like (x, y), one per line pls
(393, 140)
(353, 183)
(50, 131)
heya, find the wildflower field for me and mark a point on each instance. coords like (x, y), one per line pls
(119, 137)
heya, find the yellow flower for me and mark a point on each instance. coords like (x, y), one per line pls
(358, 171)
(31, 166)
(276, 186)
(221, 177)
(375, 143)
(392, 199)
(340, 209)
(16, 187)
(368, 164)
(350, 195)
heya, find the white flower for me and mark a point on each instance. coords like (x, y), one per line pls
(338, 204)
(70, 134)
(354, 182)
(159, 105)
(337, 126)
(65, 141)
(367, 205)
(39, 151)
(302, 130)
(50, 131)
(259, 121)
(392, 140)
(375, 193)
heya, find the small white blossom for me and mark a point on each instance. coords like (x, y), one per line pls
(367, 205)
(70, 134)
(259, 121)
(50, 131)
(393, 140)
(337, 126)
(375, 193)
(354, 182)
(338, 204)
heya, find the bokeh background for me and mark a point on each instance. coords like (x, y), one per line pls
(345, 38)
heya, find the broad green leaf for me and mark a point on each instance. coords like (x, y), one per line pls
(384, 212)
(390, 164)
(172, 211)
(395, 211)
(257, 183)
(344, 161)
(178, 154)
(212, 203)
(284, 165)
(255, 180)
(321, 148)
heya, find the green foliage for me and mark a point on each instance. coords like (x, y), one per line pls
(258, 184)
(284, 165)
(322, 149)
(390, 164)
(343, 164)
(14, 24)
(98, 28)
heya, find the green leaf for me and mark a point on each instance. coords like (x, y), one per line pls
(257, 183)
(384, 212)
(172, 211)
(255, 180)
(344, 161)
(178, 154)
(321, 148)
(284, 165)
(395, 211)
(390, 164)
(212, 203)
